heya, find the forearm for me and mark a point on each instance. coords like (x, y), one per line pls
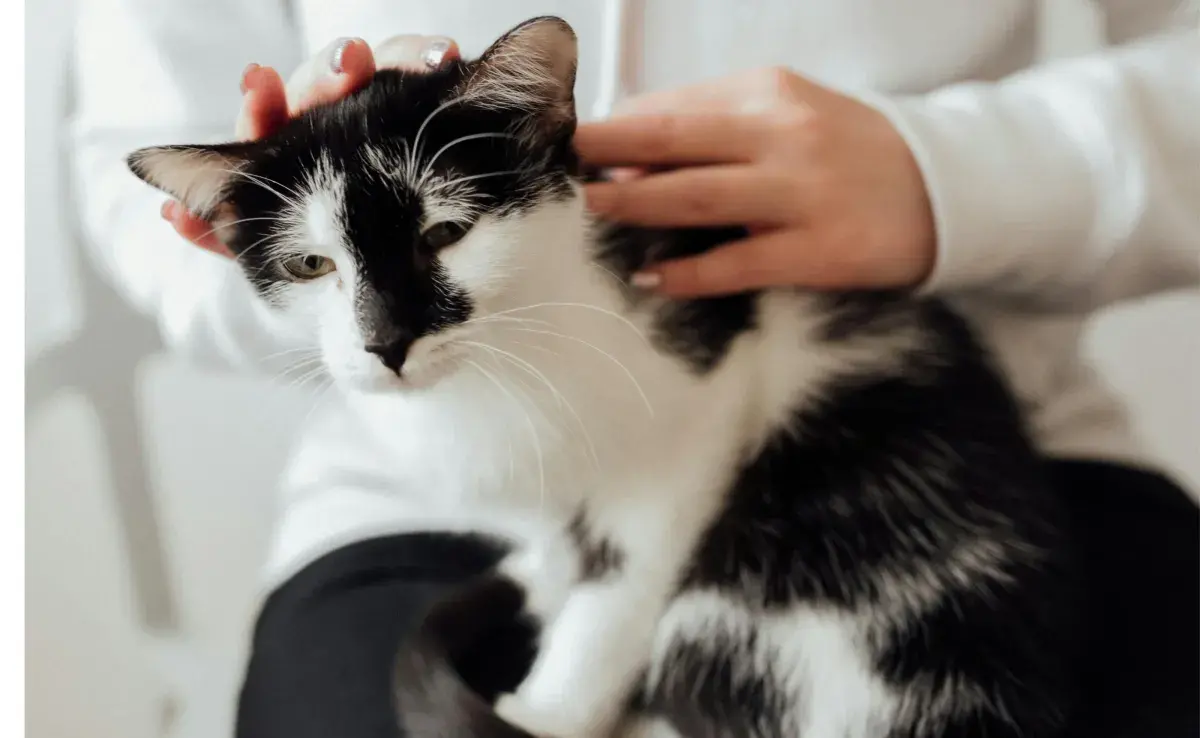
(1070, 186)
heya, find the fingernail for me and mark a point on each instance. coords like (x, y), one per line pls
(167, 211)
(339, 52)
(646, 280)
(623, 174)
(250, 68)
(435, 53)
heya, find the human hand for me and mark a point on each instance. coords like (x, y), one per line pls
(827, 187)
(337, 70)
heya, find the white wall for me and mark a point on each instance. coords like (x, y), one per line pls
(216, 444)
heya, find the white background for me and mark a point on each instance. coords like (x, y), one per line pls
(215, 443)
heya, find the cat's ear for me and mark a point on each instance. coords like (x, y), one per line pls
(530, 69)
(197, 176)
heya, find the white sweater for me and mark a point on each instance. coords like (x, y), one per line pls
(1057, 189)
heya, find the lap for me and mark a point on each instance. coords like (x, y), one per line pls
(324, 643)
(323, 647)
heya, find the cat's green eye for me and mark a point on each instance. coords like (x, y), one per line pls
(309, 266)
(440, 235)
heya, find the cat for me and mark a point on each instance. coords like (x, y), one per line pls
(774, 513)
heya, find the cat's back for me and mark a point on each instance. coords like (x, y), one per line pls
(889, 524)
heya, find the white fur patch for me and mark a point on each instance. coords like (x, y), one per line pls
(819, 658)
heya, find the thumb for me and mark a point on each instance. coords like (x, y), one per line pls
(264, 103)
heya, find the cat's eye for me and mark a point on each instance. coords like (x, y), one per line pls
(440, 235)
(308, 266)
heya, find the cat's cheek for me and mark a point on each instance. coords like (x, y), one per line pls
(481, 264)
(339, 339)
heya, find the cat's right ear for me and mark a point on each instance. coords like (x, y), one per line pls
(197, 176)
(531, 69)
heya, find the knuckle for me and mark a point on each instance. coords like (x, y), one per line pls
(787, 129)
(662, 133)
(696, 203)
(778, 82)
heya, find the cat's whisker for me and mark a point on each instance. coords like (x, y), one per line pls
(463, 139)
(229, 225)
(637, 385)
(537, 347)
(506, 319)
(616, 278)
(559, 398)
(321, 396)
(266, 182)
(473, 177)
(415, 151)
(605, 311)
(309, 375)
(287, 352)
(537, 445)
(285, 378)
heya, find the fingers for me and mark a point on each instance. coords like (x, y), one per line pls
(658, 140)
(416, 53)
(778, 258)
(736, 267)
(264, 103)
(337, 70)
(697, 196)
(738, 94)
(724, 95)
(193, 229)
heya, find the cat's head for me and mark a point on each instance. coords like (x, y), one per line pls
(395, 217)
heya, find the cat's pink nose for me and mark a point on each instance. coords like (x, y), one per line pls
(393, 353)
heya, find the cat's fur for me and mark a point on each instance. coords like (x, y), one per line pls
(774, 514)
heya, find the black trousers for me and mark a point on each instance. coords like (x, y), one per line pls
(322, 650)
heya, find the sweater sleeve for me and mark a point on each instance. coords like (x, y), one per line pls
(1075, 184)
(153, 72)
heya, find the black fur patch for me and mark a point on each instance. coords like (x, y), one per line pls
(384, 219)
(599, 557)
(892, 473)
(699, 331)
(706, 690)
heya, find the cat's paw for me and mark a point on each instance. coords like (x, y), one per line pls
(541, 722)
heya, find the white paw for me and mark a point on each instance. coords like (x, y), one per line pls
(541, 722)
(547, 579)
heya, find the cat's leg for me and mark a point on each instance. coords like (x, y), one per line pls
(592, 654)
(590, 657)
(545, 568)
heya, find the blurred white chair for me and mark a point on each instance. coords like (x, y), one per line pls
(99, 363)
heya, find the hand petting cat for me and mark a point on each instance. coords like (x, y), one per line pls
(337, 70)
(829, 189)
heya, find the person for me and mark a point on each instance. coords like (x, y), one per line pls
(868, 143)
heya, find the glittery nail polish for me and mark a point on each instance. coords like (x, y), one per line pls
(335, 61)
(435, 53)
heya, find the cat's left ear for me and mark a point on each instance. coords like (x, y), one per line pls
(530, 69)
(198, 176)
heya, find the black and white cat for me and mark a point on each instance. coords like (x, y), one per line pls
(769, 514)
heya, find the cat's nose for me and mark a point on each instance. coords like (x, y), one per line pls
(393, 353)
